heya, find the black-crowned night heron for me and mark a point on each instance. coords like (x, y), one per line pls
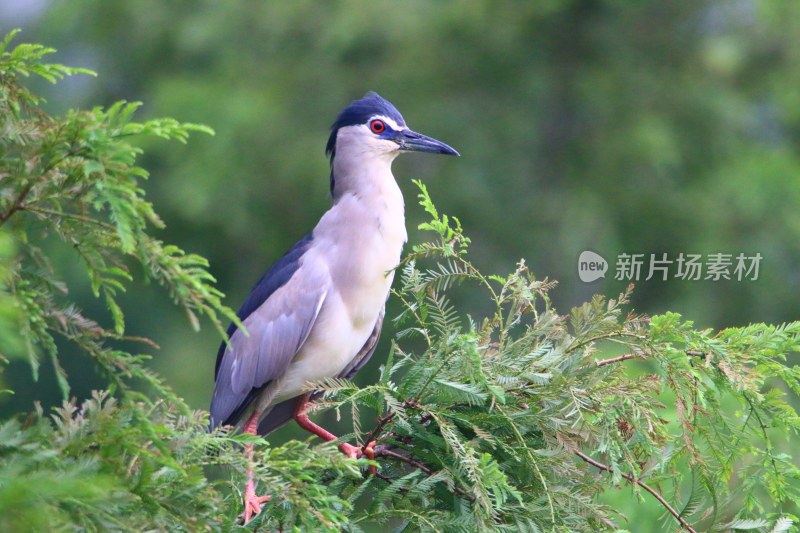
(318, 311)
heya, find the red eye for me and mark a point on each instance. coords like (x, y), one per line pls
(377, 126)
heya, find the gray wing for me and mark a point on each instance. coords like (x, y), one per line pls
(283, 412)
(277, 329)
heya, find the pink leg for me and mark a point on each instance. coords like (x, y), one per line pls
(252, 502)
(301, 417)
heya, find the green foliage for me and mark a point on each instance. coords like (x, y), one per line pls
(509, 413)
(76, 178)
(520, 420)
(24, 60)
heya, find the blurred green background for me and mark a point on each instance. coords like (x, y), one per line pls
(605, 125)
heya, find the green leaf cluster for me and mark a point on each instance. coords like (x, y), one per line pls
(527, 416)
(76, 178)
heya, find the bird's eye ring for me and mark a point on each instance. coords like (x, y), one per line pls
(377, 126)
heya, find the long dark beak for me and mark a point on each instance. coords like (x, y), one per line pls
(411, 141)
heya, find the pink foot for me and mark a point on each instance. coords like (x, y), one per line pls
(252, 502)
(349, 450)
(354, 452)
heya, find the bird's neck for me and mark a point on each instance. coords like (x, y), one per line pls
(366, 197)
(365, 229)
(369, 178)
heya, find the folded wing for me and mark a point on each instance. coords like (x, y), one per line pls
(278, 318)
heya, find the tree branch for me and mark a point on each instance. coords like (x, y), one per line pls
(625, 357)
(617, 359)
(383, 451)
(17, 205)
(642, 484)
(388, 417)
(382, 422)
(763, 432)
(604, 336)
(73, 216)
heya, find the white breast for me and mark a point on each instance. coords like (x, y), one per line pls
(360, 239)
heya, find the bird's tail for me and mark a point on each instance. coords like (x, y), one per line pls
(278, 415)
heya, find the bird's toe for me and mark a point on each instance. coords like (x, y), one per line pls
(369, 453)
(353, 452)
(356, 452)
(252, 502)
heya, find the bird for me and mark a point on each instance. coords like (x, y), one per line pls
(317, 312)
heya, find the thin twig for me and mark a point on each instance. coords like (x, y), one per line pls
(763, 431)
(73, 216)
(625, 357)
(605, 336)
(383, 451)
(388, 417)
(17, 205)
(388, 480)
(642, 484)
(617, 359)
(427, 417)
(382, 422)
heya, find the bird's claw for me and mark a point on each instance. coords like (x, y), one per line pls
(356, 452)
(252, 502)
(369, 452)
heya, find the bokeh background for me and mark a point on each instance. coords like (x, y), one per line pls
(604, 125)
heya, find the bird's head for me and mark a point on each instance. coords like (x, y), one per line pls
(373, 126)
